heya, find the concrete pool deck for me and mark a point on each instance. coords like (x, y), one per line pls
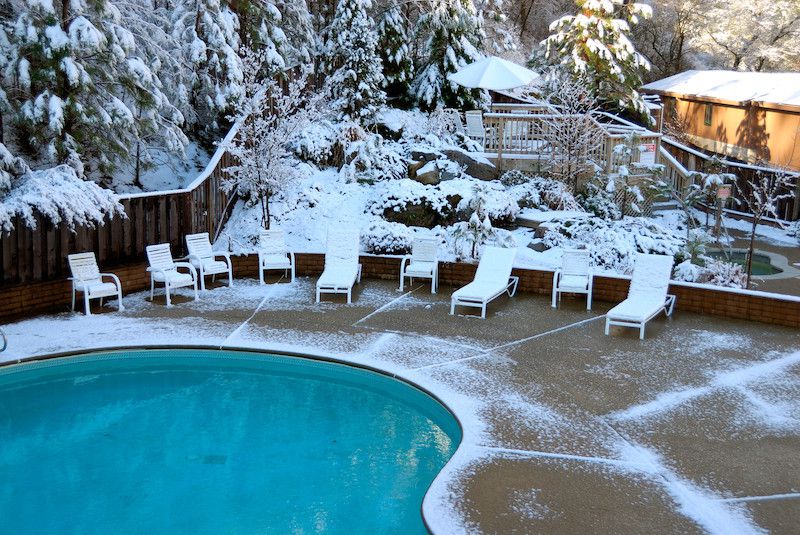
(694, 429)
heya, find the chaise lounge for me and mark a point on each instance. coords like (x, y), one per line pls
(492, 279)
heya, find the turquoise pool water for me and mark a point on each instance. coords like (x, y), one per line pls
(196, 442)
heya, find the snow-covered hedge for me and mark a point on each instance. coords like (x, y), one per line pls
(409, 202)
(58, 194)
(386, 237)
(613, 244)
(538, 192)
(715, 272)
(319, 143)
(372, 159)
(498, 203)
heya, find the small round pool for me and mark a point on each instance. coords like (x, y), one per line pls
(762, 264)
(202, 441)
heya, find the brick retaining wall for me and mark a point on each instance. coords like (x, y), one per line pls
(42, 297)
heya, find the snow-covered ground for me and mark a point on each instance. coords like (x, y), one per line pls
(555, 415)
(167, 173)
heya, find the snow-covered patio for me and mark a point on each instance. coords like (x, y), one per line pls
(565, 430)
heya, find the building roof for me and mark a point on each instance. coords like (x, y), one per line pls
(779, 90)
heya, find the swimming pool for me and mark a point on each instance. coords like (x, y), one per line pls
(203, 441)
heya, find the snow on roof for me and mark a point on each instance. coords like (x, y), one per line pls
(767, 89)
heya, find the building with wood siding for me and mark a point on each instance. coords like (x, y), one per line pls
(752, 117)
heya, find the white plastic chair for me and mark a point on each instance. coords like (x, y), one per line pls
(342, 269)
(422, 263)
(164, 269)
(204, 259)
(647, 295)
(273, 254)
(475, 128)
(574, 276)
(87, 279)
(492, 279)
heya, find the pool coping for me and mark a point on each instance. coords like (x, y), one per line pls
(293, 354)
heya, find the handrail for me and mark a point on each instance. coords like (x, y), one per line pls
(729, 163)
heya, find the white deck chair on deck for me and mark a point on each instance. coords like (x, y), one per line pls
(647, 295)
(86, 278)
(475, 129)
(422, 263)
(492, 279)
(205, 260)
(342, 269)
(273, 253)
(164, 269)
(574, 276)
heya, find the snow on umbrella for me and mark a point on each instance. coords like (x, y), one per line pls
(493, 73)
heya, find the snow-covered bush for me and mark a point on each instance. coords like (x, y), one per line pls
(497, 203)
(386, 237)
(320, 143)
(478, 229)
(538, 192)
(411, 203)
(711, 271)
(794, 230)
(58, 194)
(372, 159)
(613, 244)
(598, 200)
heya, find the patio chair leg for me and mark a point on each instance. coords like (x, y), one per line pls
(433, 285)
(292, 271)
(607, 326)
(589, 301)
(641, 332)
(483, 312)
(349, 296)
(166, 289)
(555, 294)
(87, 307)
(119, 300)
(260, 275)
(73, 297)
(203, 280)
(152, 288)
(452, 308)
(317, 295)
(195, 290)
(230, 278)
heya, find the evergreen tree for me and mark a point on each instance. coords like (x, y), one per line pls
(352, 62)
(394, 45)
(78, 92)
(454, 35)
(209, 32)
(594, 43)
(301, 41)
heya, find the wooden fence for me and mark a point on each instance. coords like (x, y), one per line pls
(28, 255)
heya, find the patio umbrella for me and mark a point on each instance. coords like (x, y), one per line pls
(493, 73)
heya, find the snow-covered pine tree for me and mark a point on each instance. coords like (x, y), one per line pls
(301, 41)
(453, 35)
(395, 49)
(594, 43)
(78, 92)
(351, 59)
(208, 31)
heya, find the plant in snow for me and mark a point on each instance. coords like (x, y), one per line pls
(411, 203)
(686, 198)
(301, 40)
(538, 192)
(766, 190)
(598, 199)
(267, 119)
(709, 182)
(394, 45)
(372, 159)
(209, 33)
(452, 40)
(492, 200)
(710, 271)
(352, 62)
(794, 230)
(79, 92)
(594, 43)
(573, 133)
(494, 21)
(58, 194)
(320, 142)
(478, 229)
(386, 237)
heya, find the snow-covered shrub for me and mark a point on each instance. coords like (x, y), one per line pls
(794, 230)
(386, 237)
(613, 244)
(58, 194)
(372, 159)
(498, 204)
(539, 192)
(687, 271)
(319, 143)
(478, 229)
(598, 200)
(711, 271)
(411, 203)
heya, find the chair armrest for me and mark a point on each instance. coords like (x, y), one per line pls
(224, 254)
(188, 266)
(291, 257)
(556, 277)
(114, 277)
(403, 262)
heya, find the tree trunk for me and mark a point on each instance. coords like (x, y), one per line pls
(749, 263)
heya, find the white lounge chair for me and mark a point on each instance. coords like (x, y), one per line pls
(475, 128)
(205, 260)
(342, 269)
(574, 276)
(422, 263)
(273, 254)
(647, 295)
(164, 269)
(86, 278)
(492, 279)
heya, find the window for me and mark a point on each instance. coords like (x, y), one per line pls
(709, 111)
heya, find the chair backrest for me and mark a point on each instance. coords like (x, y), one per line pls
(495, 265)
(474, 120)
(199, 245)
(272, 242)
(160, 257)
(424, 250)
(343, 245)
(651, 275)
(83, 267)
(575, 262)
